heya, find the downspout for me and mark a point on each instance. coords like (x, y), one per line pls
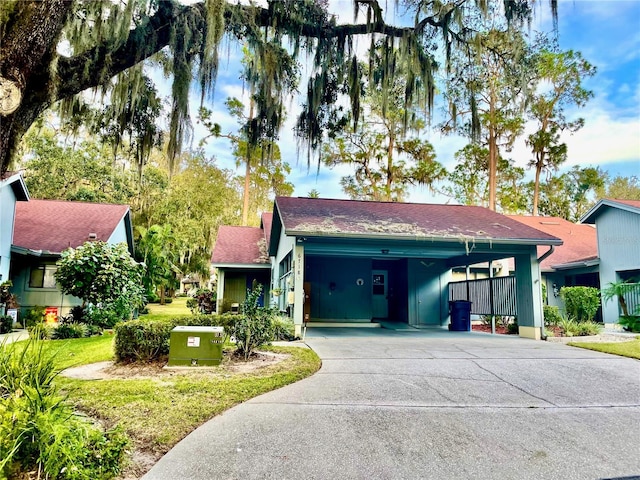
(544, 255)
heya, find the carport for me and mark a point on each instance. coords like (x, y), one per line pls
(356, 262)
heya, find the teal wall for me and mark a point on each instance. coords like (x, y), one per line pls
(428, 292)
(347, 300)
(7, 213)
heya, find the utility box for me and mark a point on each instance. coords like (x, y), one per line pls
(195, 346)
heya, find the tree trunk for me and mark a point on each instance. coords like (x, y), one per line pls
(536, 188)
(390, 179)
(247, 172)
(493, 169)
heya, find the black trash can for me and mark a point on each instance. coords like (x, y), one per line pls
(460, 316)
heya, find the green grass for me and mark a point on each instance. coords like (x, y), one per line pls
(174, 309)
(629, 349)
(159, 411)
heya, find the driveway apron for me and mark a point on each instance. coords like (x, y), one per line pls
(429, 405)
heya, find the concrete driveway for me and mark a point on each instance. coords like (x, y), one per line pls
(429, 405)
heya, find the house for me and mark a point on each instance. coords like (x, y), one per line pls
(241, 258)
(45, 228)
(574, 263)
(360, 262)
(12, 190)
(618, 232)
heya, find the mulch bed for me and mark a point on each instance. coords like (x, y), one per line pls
(487, 329)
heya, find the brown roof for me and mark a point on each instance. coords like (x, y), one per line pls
(240, 246)
(325, 217)
(54, 225)
(267, 221)
(579, 241)
(631, 203)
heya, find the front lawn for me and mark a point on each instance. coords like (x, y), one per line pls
(174, 309)
(629, 349)
(157, 408)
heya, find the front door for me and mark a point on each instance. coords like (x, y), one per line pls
(379, 292)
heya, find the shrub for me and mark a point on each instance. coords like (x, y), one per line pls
(69, 330)
(40, 332)
(38, 429)
(283, 328)
(571, 328)
(255, 325)
(512, 328)
(6, 324)
(148, 340)
(589, 328)
(34, 316)
(206, 301)
(552, 316)
(630, 323)
(581, 303)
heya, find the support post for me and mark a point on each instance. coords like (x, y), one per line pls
(298, 288)
(529, 295)
(220, 290)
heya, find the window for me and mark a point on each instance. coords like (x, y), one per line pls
(42, 277)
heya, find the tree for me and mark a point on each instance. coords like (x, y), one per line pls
(469, 180)
(386, 157)
(155, 249)
(269, 173)
(488, 89)
(80, 173)
(102, 39)
(571, 194)
(103, 275)
(199, 198)
(621, 188)
(562, 73)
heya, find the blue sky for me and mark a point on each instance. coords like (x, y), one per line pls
(607, 33)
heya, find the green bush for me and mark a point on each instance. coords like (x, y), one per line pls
(283, 328)
(581, 303)
(34, 316)
(552, 316)
(40, 332)
(148, 340)
(630, 323)
(205, 301)
(38, 428)
(69, 330)
(6, 324)
(255, 326)
(572, 328)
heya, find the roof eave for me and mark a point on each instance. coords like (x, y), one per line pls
(579, 264)
(462, 238)
(241, 265)
(593, 212)
(33, 253)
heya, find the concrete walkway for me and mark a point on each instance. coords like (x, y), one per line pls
(15, 336)
(429, 405)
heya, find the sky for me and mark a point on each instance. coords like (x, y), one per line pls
(606, 32)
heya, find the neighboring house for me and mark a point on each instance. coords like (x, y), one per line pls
(45, 228)
(574, 263)
(241, 257)
(618, 230)
(12, 190)
(353, 261)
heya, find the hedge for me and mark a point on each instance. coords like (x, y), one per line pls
(148, 340)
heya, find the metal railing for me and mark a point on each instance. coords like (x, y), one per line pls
(488, 296)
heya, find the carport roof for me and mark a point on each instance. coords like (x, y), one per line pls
(352, 218)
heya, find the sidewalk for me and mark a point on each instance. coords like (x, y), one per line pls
(15, 336)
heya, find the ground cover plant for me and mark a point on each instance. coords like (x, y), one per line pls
(625, 349)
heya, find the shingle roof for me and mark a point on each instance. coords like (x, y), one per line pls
(580, 242)
(267, 221)
(55, 225)
(325, 217)
(240, 246)
(632, 206)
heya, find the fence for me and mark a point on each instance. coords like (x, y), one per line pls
(632, 299)
(488, 296)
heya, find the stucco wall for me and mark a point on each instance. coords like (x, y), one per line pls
(7, 212)
(618, 248)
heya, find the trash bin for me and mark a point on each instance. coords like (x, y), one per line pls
(195, 346)
(460, 316)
